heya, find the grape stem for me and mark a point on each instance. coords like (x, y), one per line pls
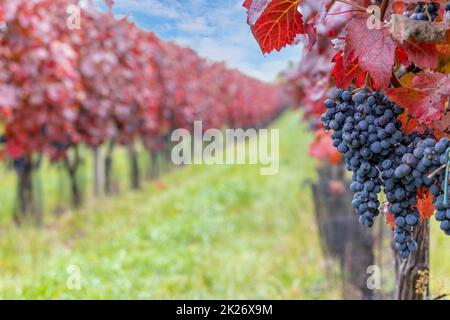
(437, 171)
(395, 81)
(384, 6)
(408, 120)
(357, 90)
(368, 82)
(347, 11)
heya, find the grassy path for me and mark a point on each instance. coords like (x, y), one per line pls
(205, 232)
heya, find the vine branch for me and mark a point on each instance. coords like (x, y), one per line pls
(437, 171)
(395, 81)
(384, 6)
(408, 120)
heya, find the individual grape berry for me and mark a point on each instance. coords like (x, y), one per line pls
(445, 225)
(421, 16)
(412, 246)
(433, 7)
(358, 98)
(346, 96)
(411, 220)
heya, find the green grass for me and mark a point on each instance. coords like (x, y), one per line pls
(210, 232)
(439, 260)
(218, 232)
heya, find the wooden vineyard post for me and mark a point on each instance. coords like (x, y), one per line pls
(342, 237)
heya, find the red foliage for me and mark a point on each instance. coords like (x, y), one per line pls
(425, 204)
(274, 23)
(426, 97)
(110, 81)
(35, 54)
(423, 54)
(390, 221)
(346, 74)
(374, 48)
(322, 149)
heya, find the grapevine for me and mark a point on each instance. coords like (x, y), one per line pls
(387, 114)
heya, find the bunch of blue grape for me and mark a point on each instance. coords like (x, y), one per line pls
(400, 188)
(442, 212)
(447, 6)
(423, 12)
(368, 134)
(410, 174)
(366, 131)
(431, 155)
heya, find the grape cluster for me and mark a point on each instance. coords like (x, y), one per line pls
(400, 189)
(423, 12)
(410, 175)
(447, 6)
(427, 156)
(366, 131)
(442, 214)
(380, 156)
(431, 156)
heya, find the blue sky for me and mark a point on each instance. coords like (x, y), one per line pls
(215, 29)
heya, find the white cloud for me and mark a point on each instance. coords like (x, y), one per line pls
(197, 25)
(150, 7)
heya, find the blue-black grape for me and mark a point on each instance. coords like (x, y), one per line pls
(422, 12)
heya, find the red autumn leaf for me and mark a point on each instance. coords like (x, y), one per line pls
(409, 125)
(274, 23)
(311, 31)
(347, 74)
(425, 99)
(399, 7)
(423, 54)
(335, 158)
(444, 49)
(443, 124)
(254, 9)
(416, 101)
(322, 148)
(425, 204)
(374, 48)
(390, 219)
(402, 55)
